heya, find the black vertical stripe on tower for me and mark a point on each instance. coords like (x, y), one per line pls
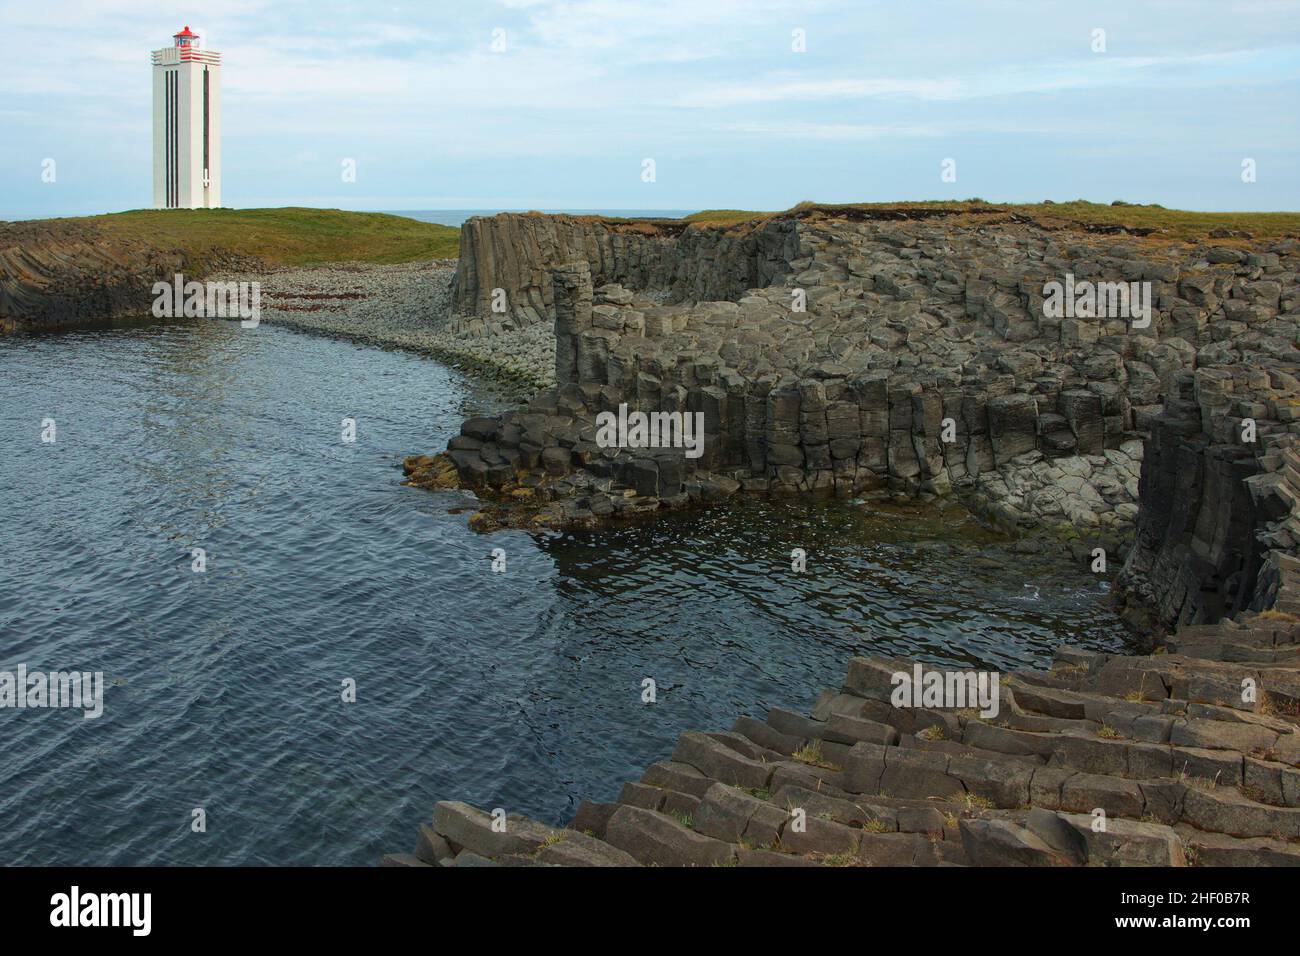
(171, 159)
(171, 140)
(176, 138)
(167, 137)
(171, 113)
(205, 121)
(171, 155)
(167, 148)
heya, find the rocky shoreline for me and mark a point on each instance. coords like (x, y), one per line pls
(62, 274)
(910, 355)
(403, 306)
(925, 362)
(1102, 760)
(1186, 757)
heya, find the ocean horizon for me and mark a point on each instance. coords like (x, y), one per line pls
(443, 217)
(456, 217)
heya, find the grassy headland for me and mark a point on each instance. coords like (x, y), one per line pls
(1151, 221)
(290, 236)
(91, 269)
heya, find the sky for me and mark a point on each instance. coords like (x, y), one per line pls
(748, 104)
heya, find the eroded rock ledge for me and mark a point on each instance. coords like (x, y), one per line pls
(1185, 775)
(56, 274)
(923, 362)
(1192, 754)
(667, 259)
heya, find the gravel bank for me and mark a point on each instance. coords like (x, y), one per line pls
(403, 306)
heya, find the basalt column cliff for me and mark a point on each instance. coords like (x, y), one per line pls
(1172, 434)
(913, 352)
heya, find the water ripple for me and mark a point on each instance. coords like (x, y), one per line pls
(520, 690)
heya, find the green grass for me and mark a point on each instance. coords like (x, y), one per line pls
(292, 236)
(935, 732)
(811, 754)
(296, 236)
(1167, 224)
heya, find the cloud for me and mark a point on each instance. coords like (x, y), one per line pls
(586, 88)
(832, 131)
(1189, 70)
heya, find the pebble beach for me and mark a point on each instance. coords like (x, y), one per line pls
(405, 306)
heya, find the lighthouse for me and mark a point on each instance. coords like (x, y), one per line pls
(186, 125)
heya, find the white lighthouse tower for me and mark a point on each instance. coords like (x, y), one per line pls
(186, 125)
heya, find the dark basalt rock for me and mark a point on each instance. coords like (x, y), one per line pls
(59, 274)
(925, 364)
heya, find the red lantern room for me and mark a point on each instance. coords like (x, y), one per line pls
(186, 38)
